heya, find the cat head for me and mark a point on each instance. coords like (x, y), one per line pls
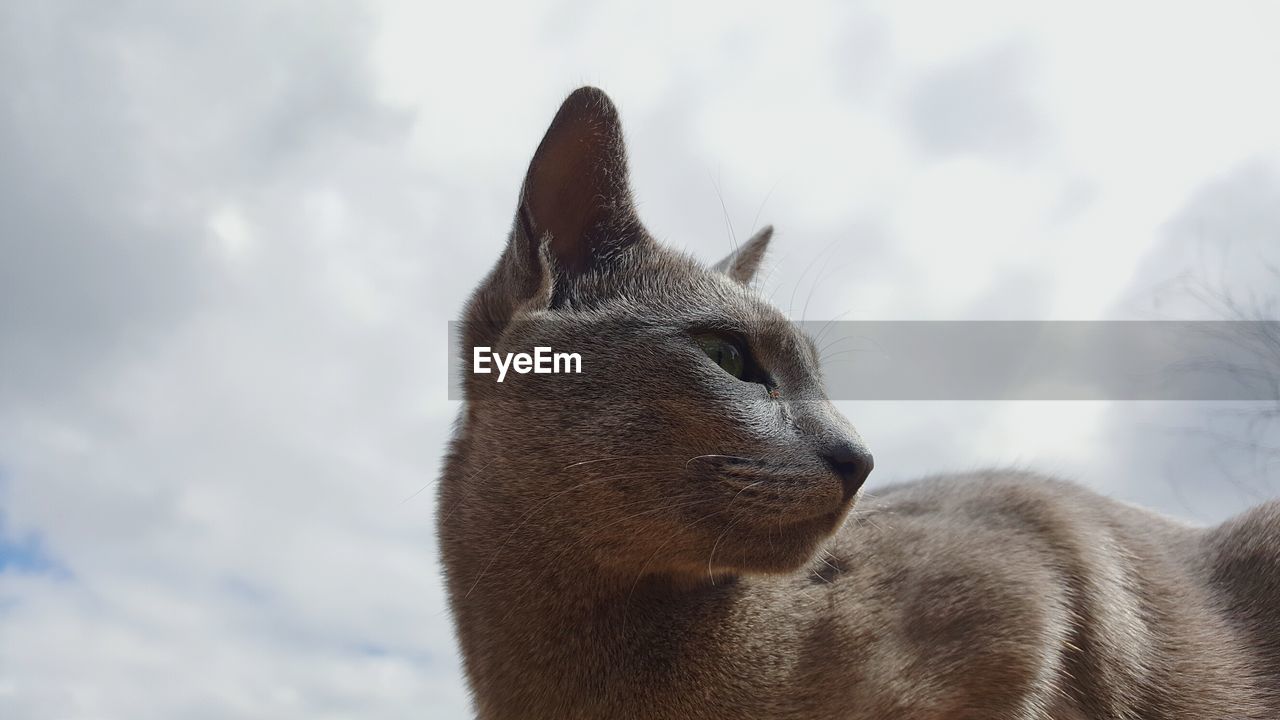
(696, 438)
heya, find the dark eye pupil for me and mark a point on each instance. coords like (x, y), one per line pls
(728, 356)
(723, 353)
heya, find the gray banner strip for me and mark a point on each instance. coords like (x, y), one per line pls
(1034, 360)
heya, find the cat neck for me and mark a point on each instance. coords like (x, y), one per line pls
(545, 622)
(524, 576)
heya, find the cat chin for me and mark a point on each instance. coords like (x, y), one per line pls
(777, 550)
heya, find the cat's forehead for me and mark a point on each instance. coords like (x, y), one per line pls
(690, 294)
(656, 285)
(673, 278)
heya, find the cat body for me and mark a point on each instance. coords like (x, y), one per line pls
(678, 531)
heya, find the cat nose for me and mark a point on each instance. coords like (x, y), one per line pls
(853, 463)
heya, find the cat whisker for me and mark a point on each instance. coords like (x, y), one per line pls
(672, 504)
(833, 343)
(420, 490)
(817, 281)
(716, 544)
(639, 575)
(791, 303)
(525, 518)
(825, 326)
(617, 458)
(613, 508)
(822, 558)
(468, 488)
(730, 527)
(763, 202)
(781, 513)
(744, 489)
(834, 352)
(725, 457)
(733, 237)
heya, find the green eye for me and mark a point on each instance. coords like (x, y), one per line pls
(724, 353)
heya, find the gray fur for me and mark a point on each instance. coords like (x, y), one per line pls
(654, 538)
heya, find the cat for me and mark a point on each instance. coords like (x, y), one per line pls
(668, 533)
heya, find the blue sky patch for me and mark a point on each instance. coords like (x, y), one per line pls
(24, 554)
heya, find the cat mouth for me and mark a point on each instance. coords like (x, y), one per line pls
(769, 517)
(821, 505)
(830, 518)
(795, 486)
(771, 500)
(775, 544)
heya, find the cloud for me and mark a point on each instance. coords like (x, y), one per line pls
(1217, 258)
(980, 104)
(219, 360)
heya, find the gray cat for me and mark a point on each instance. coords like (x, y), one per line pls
(667, 534)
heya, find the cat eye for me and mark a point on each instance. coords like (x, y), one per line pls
(725, 353)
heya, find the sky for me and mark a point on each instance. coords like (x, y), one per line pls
(232, 236)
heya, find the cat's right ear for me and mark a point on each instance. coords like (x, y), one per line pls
(575, 211)
(576, 198)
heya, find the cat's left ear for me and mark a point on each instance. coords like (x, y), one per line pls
(743, 263)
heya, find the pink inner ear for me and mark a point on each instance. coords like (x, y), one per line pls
(578, 178)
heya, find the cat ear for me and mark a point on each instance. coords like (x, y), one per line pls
(575, 208)
(576, 196)
(742, 264)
